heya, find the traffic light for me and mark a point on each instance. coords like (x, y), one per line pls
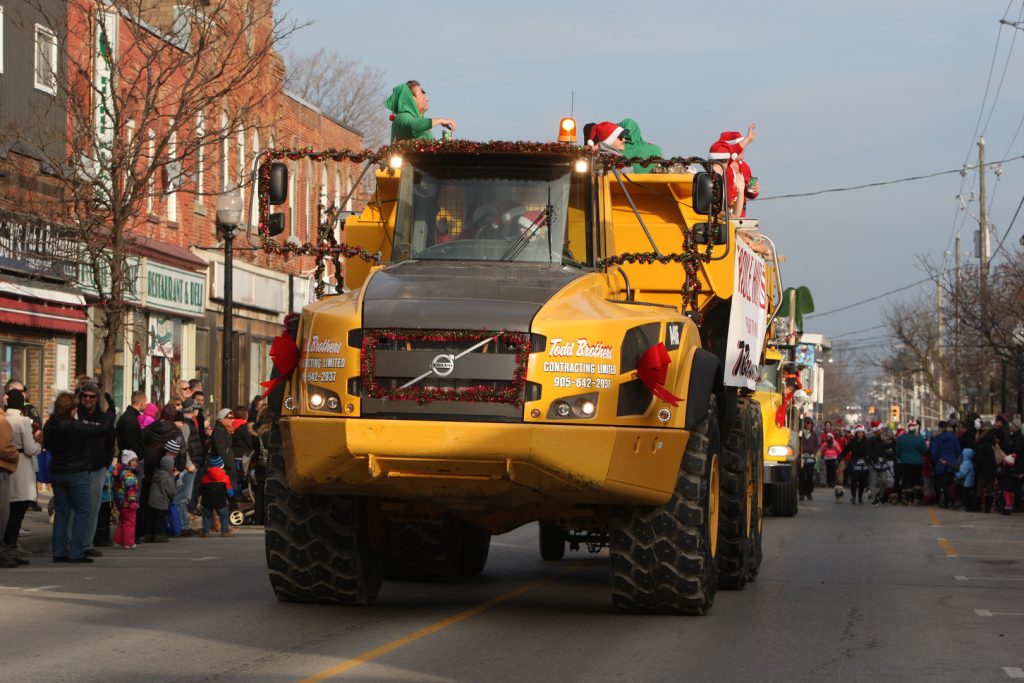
(894, 414)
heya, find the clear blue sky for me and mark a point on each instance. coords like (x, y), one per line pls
(843, 94)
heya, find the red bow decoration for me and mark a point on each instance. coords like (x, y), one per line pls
(652, 371)
(787, 399)
(285, 355)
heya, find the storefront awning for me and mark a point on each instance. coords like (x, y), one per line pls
(42, 316)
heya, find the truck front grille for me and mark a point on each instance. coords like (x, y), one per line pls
(446, 374)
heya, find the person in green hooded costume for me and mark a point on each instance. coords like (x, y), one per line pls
(408, 103)
(637, 148)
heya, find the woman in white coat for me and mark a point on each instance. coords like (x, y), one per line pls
(22, 483)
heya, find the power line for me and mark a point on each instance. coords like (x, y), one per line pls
(1002, 77)
(866, 329)
(1008, 228)
(867, 301)
(883, 182)
(988, 83)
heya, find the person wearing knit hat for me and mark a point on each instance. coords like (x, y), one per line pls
(607, 137)
(408, 102)
(126, 498)
(215, 490)
(161, 493)
(856, 454)
(911, 450)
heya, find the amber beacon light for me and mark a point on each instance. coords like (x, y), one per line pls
(567, 130)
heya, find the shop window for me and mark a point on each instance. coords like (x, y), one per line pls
(259, 366)
(203, 358)
(24, 362)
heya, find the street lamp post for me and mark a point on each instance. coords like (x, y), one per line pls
(229, 215)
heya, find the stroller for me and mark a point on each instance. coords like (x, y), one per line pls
(243, 506)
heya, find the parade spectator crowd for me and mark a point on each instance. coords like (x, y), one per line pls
(968, 464)
(150, 473)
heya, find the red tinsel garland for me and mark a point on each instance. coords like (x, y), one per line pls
(513, 394)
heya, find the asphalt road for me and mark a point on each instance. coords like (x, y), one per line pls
(847, 593)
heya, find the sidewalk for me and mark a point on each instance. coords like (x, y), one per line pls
(39, 542)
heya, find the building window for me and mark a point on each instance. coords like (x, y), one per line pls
(173, 172)
(46, 60)
(240, 184)
(200, 158)
(291, 201)
(225, 161)
(130, 161)
(151, 183)
(254, 207)
(307, 207)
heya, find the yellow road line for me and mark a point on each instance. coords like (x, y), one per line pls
(947, 548)
(934, 516)
(350, 664)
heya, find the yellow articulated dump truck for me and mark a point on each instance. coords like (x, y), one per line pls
(527, 332)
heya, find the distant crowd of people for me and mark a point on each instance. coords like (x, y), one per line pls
(969, 464)
(149, 472)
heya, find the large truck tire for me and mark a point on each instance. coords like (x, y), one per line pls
(739, 507)
(552, 542)
(476, 544)
(318, 548)
(663, 559)
(785, 497)
(757, 529)
(425, 551)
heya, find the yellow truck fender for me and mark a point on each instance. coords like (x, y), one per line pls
(705, 377)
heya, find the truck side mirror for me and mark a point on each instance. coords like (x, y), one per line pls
(278, 189)
(275, 224)
(703, 193)
(705, 233)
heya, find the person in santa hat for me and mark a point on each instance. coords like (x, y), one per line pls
(606, 136)
(729, 149)
(408, 103)
(856, 454)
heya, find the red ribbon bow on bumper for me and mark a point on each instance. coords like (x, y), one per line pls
(652, 371)
(285, 355)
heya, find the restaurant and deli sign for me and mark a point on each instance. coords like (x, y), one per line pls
(174, 289)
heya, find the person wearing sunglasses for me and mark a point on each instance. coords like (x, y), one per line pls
(70, 441)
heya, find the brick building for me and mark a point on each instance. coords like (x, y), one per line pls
(42, 311)
(174, 252)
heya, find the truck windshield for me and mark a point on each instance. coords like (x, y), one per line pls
(769, 376)
(493, 210)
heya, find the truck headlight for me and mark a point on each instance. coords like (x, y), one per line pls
(580, 407)
(780, 451)
(322, 399)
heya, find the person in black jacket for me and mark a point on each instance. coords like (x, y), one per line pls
(153, 439)
(857, 453)
(101, 452)
(985, 466)
(128, 430)
(69, 441)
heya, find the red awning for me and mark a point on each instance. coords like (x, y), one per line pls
(43, 316)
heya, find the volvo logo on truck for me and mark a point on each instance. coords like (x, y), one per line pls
(442, 365)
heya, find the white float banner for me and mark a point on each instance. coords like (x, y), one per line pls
(748, 319)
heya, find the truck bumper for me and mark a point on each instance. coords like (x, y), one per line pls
(488, 465)
(778, 472)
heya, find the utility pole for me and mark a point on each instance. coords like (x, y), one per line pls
(941, 365)
(986, 371)
(956, 332)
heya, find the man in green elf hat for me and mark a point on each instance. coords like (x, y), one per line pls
(408, 103)
(637, 148)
